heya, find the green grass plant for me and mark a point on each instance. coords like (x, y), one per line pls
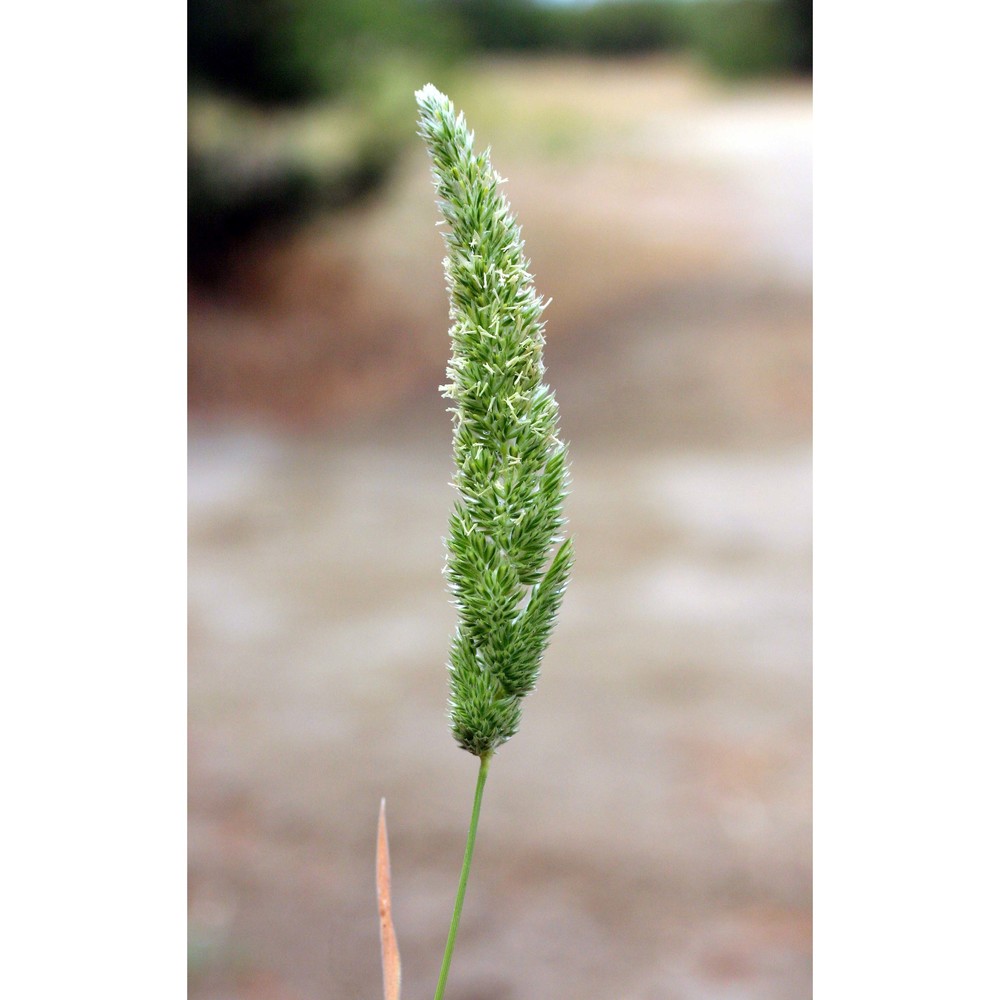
(507, 562)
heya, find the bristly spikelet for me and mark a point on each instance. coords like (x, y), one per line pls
(510, 464)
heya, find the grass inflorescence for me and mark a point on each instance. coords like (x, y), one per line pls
(507, 563)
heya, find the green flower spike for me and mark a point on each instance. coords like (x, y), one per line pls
(510, 464)
(507, 562)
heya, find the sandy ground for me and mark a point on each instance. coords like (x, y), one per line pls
(647, 835)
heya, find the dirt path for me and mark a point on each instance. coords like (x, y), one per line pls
(646, 836)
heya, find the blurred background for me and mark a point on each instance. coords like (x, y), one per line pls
(647, 834)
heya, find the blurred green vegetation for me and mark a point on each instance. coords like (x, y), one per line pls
(298, 105)
(281, 52)
(627, 27)
(733, 37)
(739, 38)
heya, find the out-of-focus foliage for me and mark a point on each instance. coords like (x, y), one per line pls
(734, 37)
(251, 170)
(291, 51)
(297, 105)
(630, 26)
(496, 25)
(749, 37)
(800, 19)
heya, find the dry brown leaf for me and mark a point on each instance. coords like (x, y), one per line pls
(391, 968)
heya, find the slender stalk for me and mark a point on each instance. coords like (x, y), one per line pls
(508, 563)
(484, 766)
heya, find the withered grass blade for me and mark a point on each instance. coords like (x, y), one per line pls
(391, 969)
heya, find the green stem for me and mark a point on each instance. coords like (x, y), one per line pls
(484, 766)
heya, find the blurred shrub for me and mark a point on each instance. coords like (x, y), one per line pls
(496, 25)
(246, 48)
(629, 26)
(623, 28)
(291, 51)
(302, 104)
(751, 37)
(296, 105)
(734, 37)
(799, 14)
(247, 176)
